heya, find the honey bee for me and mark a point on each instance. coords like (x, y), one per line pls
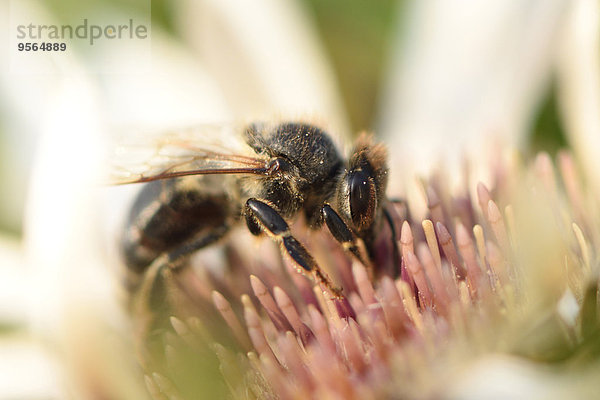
(196, 193)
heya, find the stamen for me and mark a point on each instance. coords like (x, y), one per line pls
(224, 308)
(263, 295)
(432, 241)
(449, 250)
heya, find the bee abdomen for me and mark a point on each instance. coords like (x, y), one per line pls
(166, 215)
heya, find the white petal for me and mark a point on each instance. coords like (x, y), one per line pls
(266, 57)
(579, 84)
(465, 72)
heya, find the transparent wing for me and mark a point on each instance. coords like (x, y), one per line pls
(195, 151)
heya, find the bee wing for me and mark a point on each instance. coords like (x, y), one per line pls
(197, 151)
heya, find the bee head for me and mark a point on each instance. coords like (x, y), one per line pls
(361, 189)
(302, 168)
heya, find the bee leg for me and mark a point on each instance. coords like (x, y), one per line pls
(342, 233)
(161, 270)
(260, 214)
(153, 298)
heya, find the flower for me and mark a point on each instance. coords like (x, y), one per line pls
(480, 69)
(506, 278)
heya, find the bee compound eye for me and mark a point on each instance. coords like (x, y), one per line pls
(362, 198)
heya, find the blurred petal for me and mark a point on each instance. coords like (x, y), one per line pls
(266, 58)
(175, 91)
(466, 72)
(579, 84)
